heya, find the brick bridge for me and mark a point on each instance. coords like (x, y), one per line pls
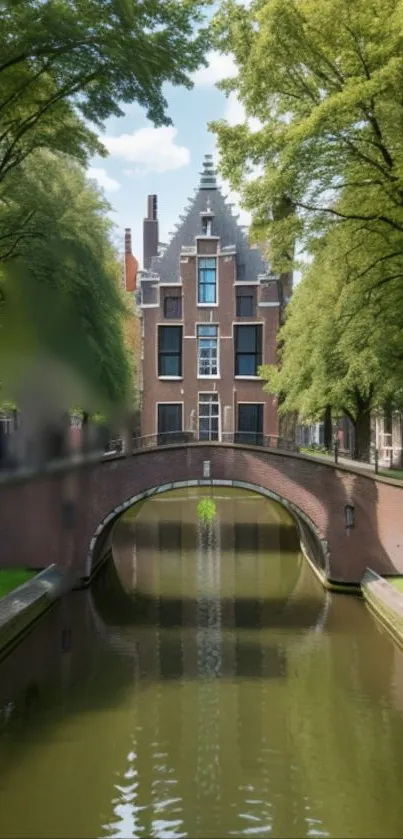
(66, 515)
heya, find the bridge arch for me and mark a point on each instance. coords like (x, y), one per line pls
(312, 544)
(77, 504)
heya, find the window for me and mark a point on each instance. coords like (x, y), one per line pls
(248, 349)
(245, 302)
(209, 412)
(250, 424)
(206, 226)
(207, 285)
(170, 351)
(169, 422)
(207, 350)
(173, 306)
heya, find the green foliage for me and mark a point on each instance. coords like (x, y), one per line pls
(62, 298)
(342, 339)
(59, 60)
(206, 510)
(324, 78)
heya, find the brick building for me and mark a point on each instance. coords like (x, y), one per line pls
(210, 312)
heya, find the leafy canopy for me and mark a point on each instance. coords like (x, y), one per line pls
(61, 296)
(335, 350)
(323, 78)
(63, 59)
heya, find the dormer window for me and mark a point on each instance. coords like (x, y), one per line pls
(207, 224)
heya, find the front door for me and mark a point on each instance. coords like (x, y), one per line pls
(169, 422)
(250, 424)
(209, 416)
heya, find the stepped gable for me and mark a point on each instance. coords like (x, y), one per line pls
(250, 261)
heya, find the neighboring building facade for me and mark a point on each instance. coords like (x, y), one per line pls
(210, 315)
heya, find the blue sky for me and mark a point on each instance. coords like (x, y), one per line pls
(166, 161)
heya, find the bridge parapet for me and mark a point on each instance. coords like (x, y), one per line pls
(52, 516)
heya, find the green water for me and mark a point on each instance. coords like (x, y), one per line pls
(206, 686)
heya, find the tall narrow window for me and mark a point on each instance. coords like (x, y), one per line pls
(209, 414)
(207, 280)
(170, 351)
(248, 349)
(207, 350)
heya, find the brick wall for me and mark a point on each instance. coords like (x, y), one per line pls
(52, 518)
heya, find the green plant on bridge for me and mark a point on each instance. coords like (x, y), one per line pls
(206, 509)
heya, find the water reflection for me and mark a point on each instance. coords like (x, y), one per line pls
(220, 692)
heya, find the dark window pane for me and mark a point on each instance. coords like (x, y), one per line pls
(246, 365)
(248, 350)
(245, 306)
(170, 365)
(246, 338)
(173, 307)
(170, 338)
(170, 351)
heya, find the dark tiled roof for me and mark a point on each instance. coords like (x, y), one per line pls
(250, 261)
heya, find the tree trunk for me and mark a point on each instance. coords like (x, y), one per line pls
(327, 427)
(362, 437)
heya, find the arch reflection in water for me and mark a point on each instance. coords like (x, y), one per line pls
(217, 691)
(212, 593)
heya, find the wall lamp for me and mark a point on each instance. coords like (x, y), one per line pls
(349, 516)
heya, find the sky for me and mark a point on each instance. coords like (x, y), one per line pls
(166, 161)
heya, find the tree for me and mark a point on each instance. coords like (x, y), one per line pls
(61, 59)
(66, 67)
(323, 78)
(342, 340)
(62, 306)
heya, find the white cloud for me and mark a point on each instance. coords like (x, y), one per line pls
(153, 149)
(219, 67)
(103, 179)
(235, 114)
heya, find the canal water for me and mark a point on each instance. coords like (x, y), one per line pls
(206, 686)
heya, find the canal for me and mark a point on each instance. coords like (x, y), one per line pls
(205, 686)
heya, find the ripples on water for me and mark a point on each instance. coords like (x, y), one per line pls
(212, 689)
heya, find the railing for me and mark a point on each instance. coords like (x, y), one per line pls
(124, 447)
(171, 438)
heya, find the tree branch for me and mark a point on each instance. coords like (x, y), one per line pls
(351, 216)
(32, 120)
(375, 263)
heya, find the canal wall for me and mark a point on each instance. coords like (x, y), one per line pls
(22, 607)
(386, 603)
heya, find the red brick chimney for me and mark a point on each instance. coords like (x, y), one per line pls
(131, 264)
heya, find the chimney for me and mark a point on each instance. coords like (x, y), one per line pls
(150, 232)
(131, 264)
(128, 240)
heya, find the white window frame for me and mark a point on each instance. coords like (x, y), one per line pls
(207, 256)
(168, 325)
(216, 400)
(201, 338)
